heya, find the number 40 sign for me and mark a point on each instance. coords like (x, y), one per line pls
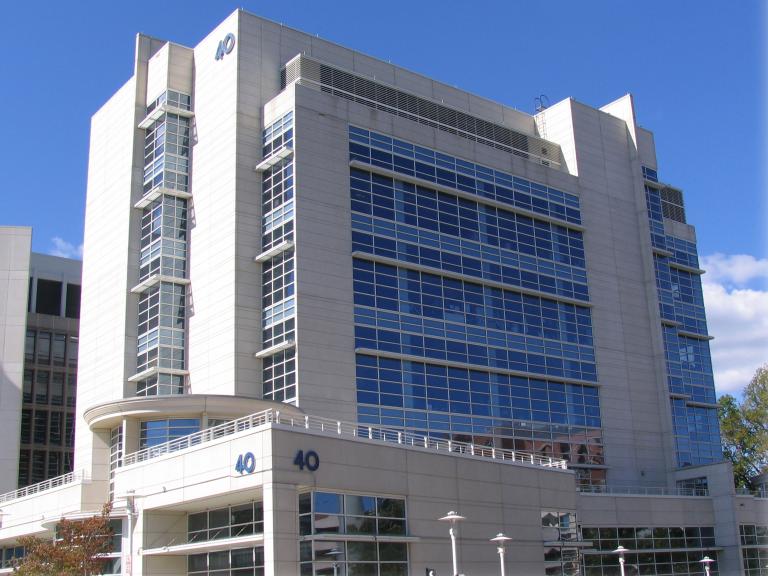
(309, 460)
(246, 463)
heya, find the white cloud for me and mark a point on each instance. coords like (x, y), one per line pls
(736, 269)
(737, 316)
(64, 249)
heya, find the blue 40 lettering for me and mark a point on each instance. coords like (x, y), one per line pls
(225, 46)
(246, 463)
(309, 460)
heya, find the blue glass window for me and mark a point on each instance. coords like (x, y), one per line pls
(464, 400)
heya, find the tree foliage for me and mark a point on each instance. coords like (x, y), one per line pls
(744, 428)
(77, 550)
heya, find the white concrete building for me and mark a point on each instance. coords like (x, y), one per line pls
(327, 300)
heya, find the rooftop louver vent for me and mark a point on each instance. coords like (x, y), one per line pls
(308, 71)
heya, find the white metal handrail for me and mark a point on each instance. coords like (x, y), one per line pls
(201, 437)
(332, 427)
(641, 490)
(64, 479)
(761, 492)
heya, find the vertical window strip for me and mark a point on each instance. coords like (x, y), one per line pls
(164, 238)
(161, 327)
(279, 376)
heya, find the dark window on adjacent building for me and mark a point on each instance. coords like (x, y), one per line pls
(44, 348)
(73, 301)
(69, 461)
(26, 426)
(29, 376)
(29, 346)
(59, 348)
(71, 389)
(38, 466)
(42, 377)
(69, 435)
(48, 299)
(40, 427)
(57, 388)
(56, 428)
(23, 468)
(54, 464)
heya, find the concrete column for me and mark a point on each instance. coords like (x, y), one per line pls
(157, 529)
(723, 492)
(130, 436)
(281, 529)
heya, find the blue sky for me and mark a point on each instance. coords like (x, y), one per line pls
(695, 68)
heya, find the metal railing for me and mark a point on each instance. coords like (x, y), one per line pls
(197, 438)
(63, 480)
(757, 493)
(641, 490)
(327, 426)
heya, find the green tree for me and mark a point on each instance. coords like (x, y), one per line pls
(77, 550)
(744, 429)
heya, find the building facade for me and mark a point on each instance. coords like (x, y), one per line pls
(327, 300)
(41, 297)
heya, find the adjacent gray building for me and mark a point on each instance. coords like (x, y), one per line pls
(40, 315)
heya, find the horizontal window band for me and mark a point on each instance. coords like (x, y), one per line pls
(275, 349)
(684, 268)
(641, 551)
(694, 335)
(158, 112)
(255, 540)
(156, 370)
(462, 194)
(468, 366)
(654, 184)
(583, 544)
(155, 279)
(470, 279)
(697, 404)
(156, 193)
(335, 537)
(275, 158)
(662, 252)
(417, 237)
(283, 246)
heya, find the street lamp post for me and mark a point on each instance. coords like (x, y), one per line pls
(132, 514)
(453, 518)
(620, 551)
(500, 540)
(706, 561)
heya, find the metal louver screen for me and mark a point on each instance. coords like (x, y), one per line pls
(672, 206)
(382, 97)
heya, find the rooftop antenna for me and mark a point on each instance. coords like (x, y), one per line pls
(541, 102)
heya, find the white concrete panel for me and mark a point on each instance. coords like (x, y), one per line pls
(15, 246)
(108, 313)
(157, 74)
(213, 228)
